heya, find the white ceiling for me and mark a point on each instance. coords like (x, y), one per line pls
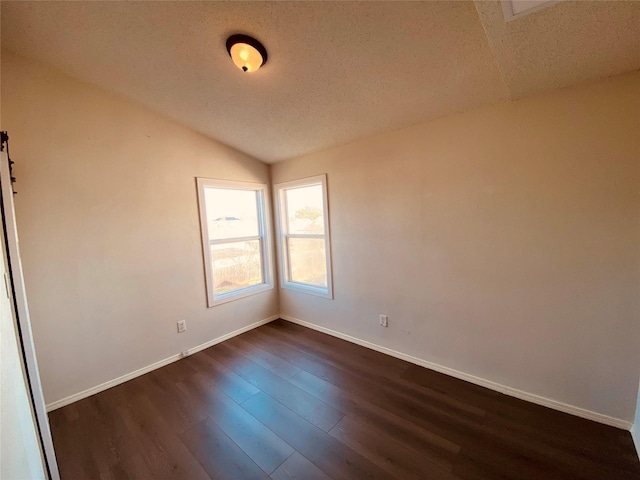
(337, 71)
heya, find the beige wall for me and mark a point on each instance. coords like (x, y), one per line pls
(502, 242)
(109, 229)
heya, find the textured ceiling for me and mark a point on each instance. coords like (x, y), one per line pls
(564, 43)
(337, 71)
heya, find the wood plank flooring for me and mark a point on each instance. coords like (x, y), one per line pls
(284, 402)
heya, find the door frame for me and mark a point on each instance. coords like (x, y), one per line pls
(18, 299)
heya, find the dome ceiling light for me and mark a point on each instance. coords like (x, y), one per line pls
(246, 52)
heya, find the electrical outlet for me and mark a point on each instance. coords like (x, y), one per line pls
(182, 326)
(384, 321)
(185, 353)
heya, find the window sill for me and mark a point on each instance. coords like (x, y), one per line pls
(302, 288)
(238, 294)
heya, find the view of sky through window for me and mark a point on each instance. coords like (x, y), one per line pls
(305, 210)
(231, 213)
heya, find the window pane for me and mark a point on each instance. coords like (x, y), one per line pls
(305, 209)
(236, 265)
(307, 261)
(231, 213)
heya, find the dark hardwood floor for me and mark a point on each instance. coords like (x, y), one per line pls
(284, 402)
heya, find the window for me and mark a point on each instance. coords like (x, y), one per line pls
(235, 240)
(303, 236)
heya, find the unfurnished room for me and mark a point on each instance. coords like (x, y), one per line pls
(320, 240)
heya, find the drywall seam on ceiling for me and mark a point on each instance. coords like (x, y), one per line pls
(493, 52)
(513, 392)
(154, 366)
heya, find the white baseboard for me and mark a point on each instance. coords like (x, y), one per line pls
(141, 371)
(635, 435)
(514, 392)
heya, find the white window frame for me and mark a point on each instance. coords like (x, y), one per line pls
(264, 237)
(283, 235)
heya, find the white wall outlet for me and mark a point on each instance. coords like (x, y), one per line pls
(182, 326)
(185, 353)
(384, 321)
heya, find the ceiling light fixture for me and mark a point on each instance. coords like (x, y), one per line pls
(246, 52)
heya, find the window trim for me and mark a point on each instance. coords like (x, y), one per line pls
(282, 236)
(264, 238)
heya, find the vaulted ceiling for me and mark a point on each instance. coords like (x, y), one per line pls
(337, 71)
